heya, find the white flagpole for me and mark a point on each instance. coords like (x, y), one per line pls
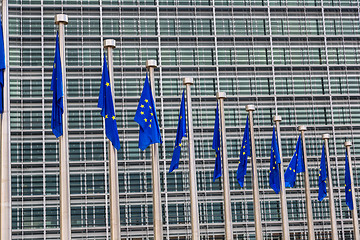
(283, 202)
(195, 229)
(254, 175)
(5, 165)
(354, 211)
(65, 216)
(226, 183)
(157, 216)
(115, 232)
(309, 212)
(334, 233)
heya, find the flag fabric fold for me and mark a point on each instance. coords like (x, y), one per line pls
(58, 93)
(322, 176)
(2, 68)
(296, 165)
(106, 104)
(181, 132)
(216, 145)
(274, 176)
(348, 194)
(244, 154)
(147, 119)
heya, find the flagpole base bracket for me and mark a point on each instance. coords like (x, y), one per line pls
(347, 144)
(151, 63)
(277, 118)
(250, 108)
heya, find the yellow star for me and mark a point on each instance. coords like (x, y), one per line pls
(325, 181)
(319, 174)
(218, 149)
(215, 155)
(142, 113)
(290, 169)
(142, 106)
(273, 167)
(146, 100)
(243, 146)
(150, 120)
(243, 153)
(106, 116)
(149, 125)
(345, 185)
(349, 190)
(113, 117)
(294, 170)
(150, 107)
(179, 144)
(151, 114)
(180, 117)
(145, 119)
(107, 84)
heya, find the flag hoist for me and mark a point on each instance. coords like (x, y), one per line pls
(226, 183)
(5, 153)
(107, 105)
(283, 202)
(334, 233)
(59, 125)
(349, 190)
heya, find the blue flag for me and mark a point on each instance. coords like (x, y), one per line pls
(216, 145)
(181, 132)
(296, 165)
(244, 154)
(58, 93)
(147, 119)
(2, 67)
(322, 176)
(348, 194)
(106, 104)
(274, 177)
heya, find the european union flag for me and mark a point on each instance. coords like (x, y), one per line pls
(147, 119)
(2, 67)
(181, 132)
(57, 88)
(348, 195)
(274, 177)
(322, 176)
(106, 104)
(244, 154)
(216, 145)
(296, 165)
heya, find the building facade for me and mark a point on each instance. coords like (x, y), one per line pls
(299, 59)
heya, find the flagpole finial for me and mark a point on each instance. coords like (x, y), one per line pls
(151, 63)
(61, 18)
(277, 118)
(302, 128)
(325, 136)
(250, 108)
(347, 144)
(109, 43)
(188, 80)
(220, 95)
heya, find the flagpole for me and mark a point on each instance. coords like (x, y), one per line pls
(157, 216)
(255, 181)
(5, 157)
(65, 217)
(195, 229)
(334, 233)
(309, 212)
(283, 202)
(115, 232)
(354, 211)
(226, 183)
